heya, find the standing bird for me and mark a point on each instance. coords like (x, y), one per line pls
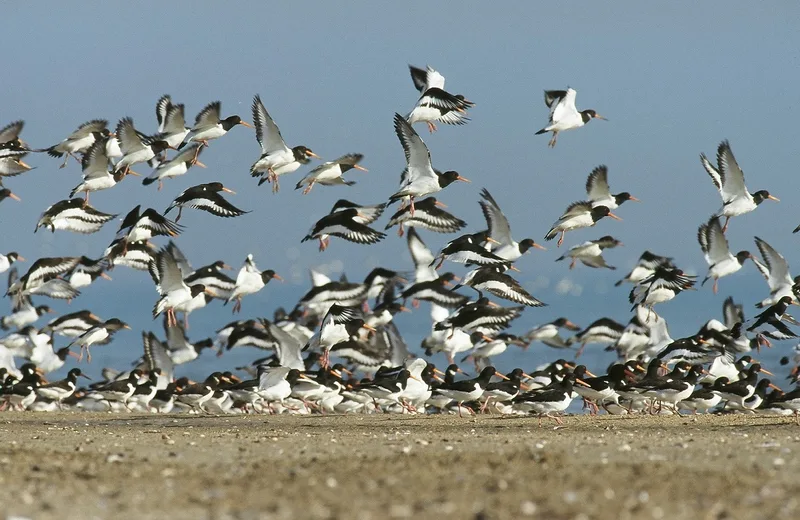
(419, 178)
(276, 158)
(98, 335)
(79, 141)
(60, 390)
(250, 280)
(206, 197)
(578, 215)
(591, 253)
(176, 166)
(96, 175)
(563, 114)
(346, 224)
(73, 215)
(599, 193)
(340, 324)
(330, 173)
(729, 180)
(500, 231)
(135, 148)
(208, 125)
(717, 253)
(435, 103)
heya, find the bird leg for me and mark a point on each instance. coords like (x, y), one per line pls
(572, 264)
(561, 238)
(237, 307)
(186, 320)
(88, 354)
(580, 350)
(180, 210)
(486, 404)
(308, 188)
(431, 127)
(552, 143)
(715, 289)
(412, 205)
(66, 158)
(325, 359)
(85, 198)
(725, 227)
(459, 409)
(323, 244)
(400, 231)
(415, 303)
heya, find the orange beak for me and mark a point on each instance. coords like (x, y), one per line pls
(245, 123)
(501, 376)
(198, 163)
(539, 246)
(312, 154)
(357, 167)
(582, 382)
(776, 199)
(634, 199)
(227, 190)
(15, 197)
(614, 216)
(765, 371)
(440, 204)
(462, 179)
(277, 277)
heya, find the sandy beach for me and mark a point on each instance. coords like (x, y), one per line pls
(65, 465)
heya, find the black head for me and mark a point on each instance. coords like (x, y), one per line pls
(12, 257)
(136, 375)
(762, 195)
(487, 373)
(219, 264)
(62, 353)
(352, 327)
(565, 323)
(303, 154)
(786, 300)
(116, 324)
(74, 373)
(446, 279)
(213, 186)
(268, 275)
(619, 198)
(528, 243)
(159, 146)
(741, 256)
(42, 309)
(588, 115)
(449, 177)
(231, 121)
(476, 337)
(602, 211)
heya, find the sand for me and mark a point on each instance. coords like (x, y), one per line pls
(82, 466)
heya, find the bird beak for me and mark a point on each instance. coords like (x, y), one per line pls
(20, 259)
(598, 116)
(84, 375)
(198, 163)
(15, 197)
(493, 241)
(415, 378)
(582, 382)
(438, 372)
(104, 275)
(765, 371)
(131, 172)
(614, 216)
(94, 317)
(590, 374)
(634, 199)
(71, 353)
(209, 292)
(347, 371)
(512, 268)
(539, 246)
(126, 327)
(440, 204)
(775, 387)
(571, 326)
(23, 164)
(228, 190)
(245, 123)
(459, 371)
(369, 327)
(776, 199)
(39, 371)
(501, 376)
(527, 376)
(403, 308)
(312, 154)
(357, 167)
(493, 304)
(336, 373)
(227, 267)
(462, 179)
(486, 338)
(277, 277)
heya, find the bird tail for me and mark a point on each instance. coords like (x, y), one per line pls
(74, 191)
(560, 258)
(796, 229)
(542, 131)
(551, 234)
(147, 181)
(307, 238)
(171, 206)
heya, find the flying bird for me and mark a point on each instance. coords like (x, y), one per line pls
(717, 253)
(563, 114)
(591, 253)
(599, 193)
(250, 280)
(330, 173)
(428, 214)
(79, 141)
(500, 231)
(73, 215)
(135, 147)
(206, 197)
(435, 103)
(176, 166)
(578, 215)
(347, 224)
(208, 125)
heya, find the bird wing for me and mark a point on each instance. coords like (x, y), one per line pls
(575, 209)
(712, 171)
(95, 161)
(215, 204)
(777, 272)
(553, 96)
(45, 268)
(717, 247)
(340, 314)
(289, 347)
(175, 120)
(426, 78)
(89, 127)
(158, 224)
(421, 256)
(499, 228)
(417, 154)
(127, 136)
(731, 175)
(732, 313)
(268, 134)
(166, 272)
(162, 107)
(180, 259)
(597, 184)
(564, 107)
(209, 116)
(157, 356)
(11, 131)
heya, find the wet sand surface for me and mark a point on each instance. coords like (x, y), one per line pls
(82, 466)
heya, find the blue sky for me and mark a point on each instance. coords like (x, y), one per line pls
(673, 79)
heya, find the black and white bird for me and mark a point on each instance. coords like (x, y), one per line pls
(176, 295)
(8, 259)
(480, 314)
(729, 180)
(469, 389)
(347, 224)
(590, 253)
(718, 256)
(23, 315)
(43, 279)
(121, 390)
(171, 121)
(578, 215)
(136, 255)
(250, 280)
(494, 280)
(469, 249)
(419, 178)
(604, 331)
(428, 214)
(599, 193)
(217, 283)
(99, 334)
(87, 271)
(73, 215)
(72, 325)
(143, 225)
(96, 175)
(135, 147)
(180, 349)
(549, 333)
(563, 114)
(330, 173)
(662, 286)
(79, 141)
(500, 231)
(340, 324)
(208, 125)
(276, 158)
(438, 290)
(60, 390)
(645, 266)
(555, 399)
(206, 197)
(436, 104)
(770, 322)
(176, 166)
(775, 270)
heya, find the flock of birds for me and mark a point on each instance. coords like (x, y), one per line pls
(352, 322)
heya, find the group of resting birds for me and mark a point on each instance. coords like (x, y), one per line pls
(353, 321)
